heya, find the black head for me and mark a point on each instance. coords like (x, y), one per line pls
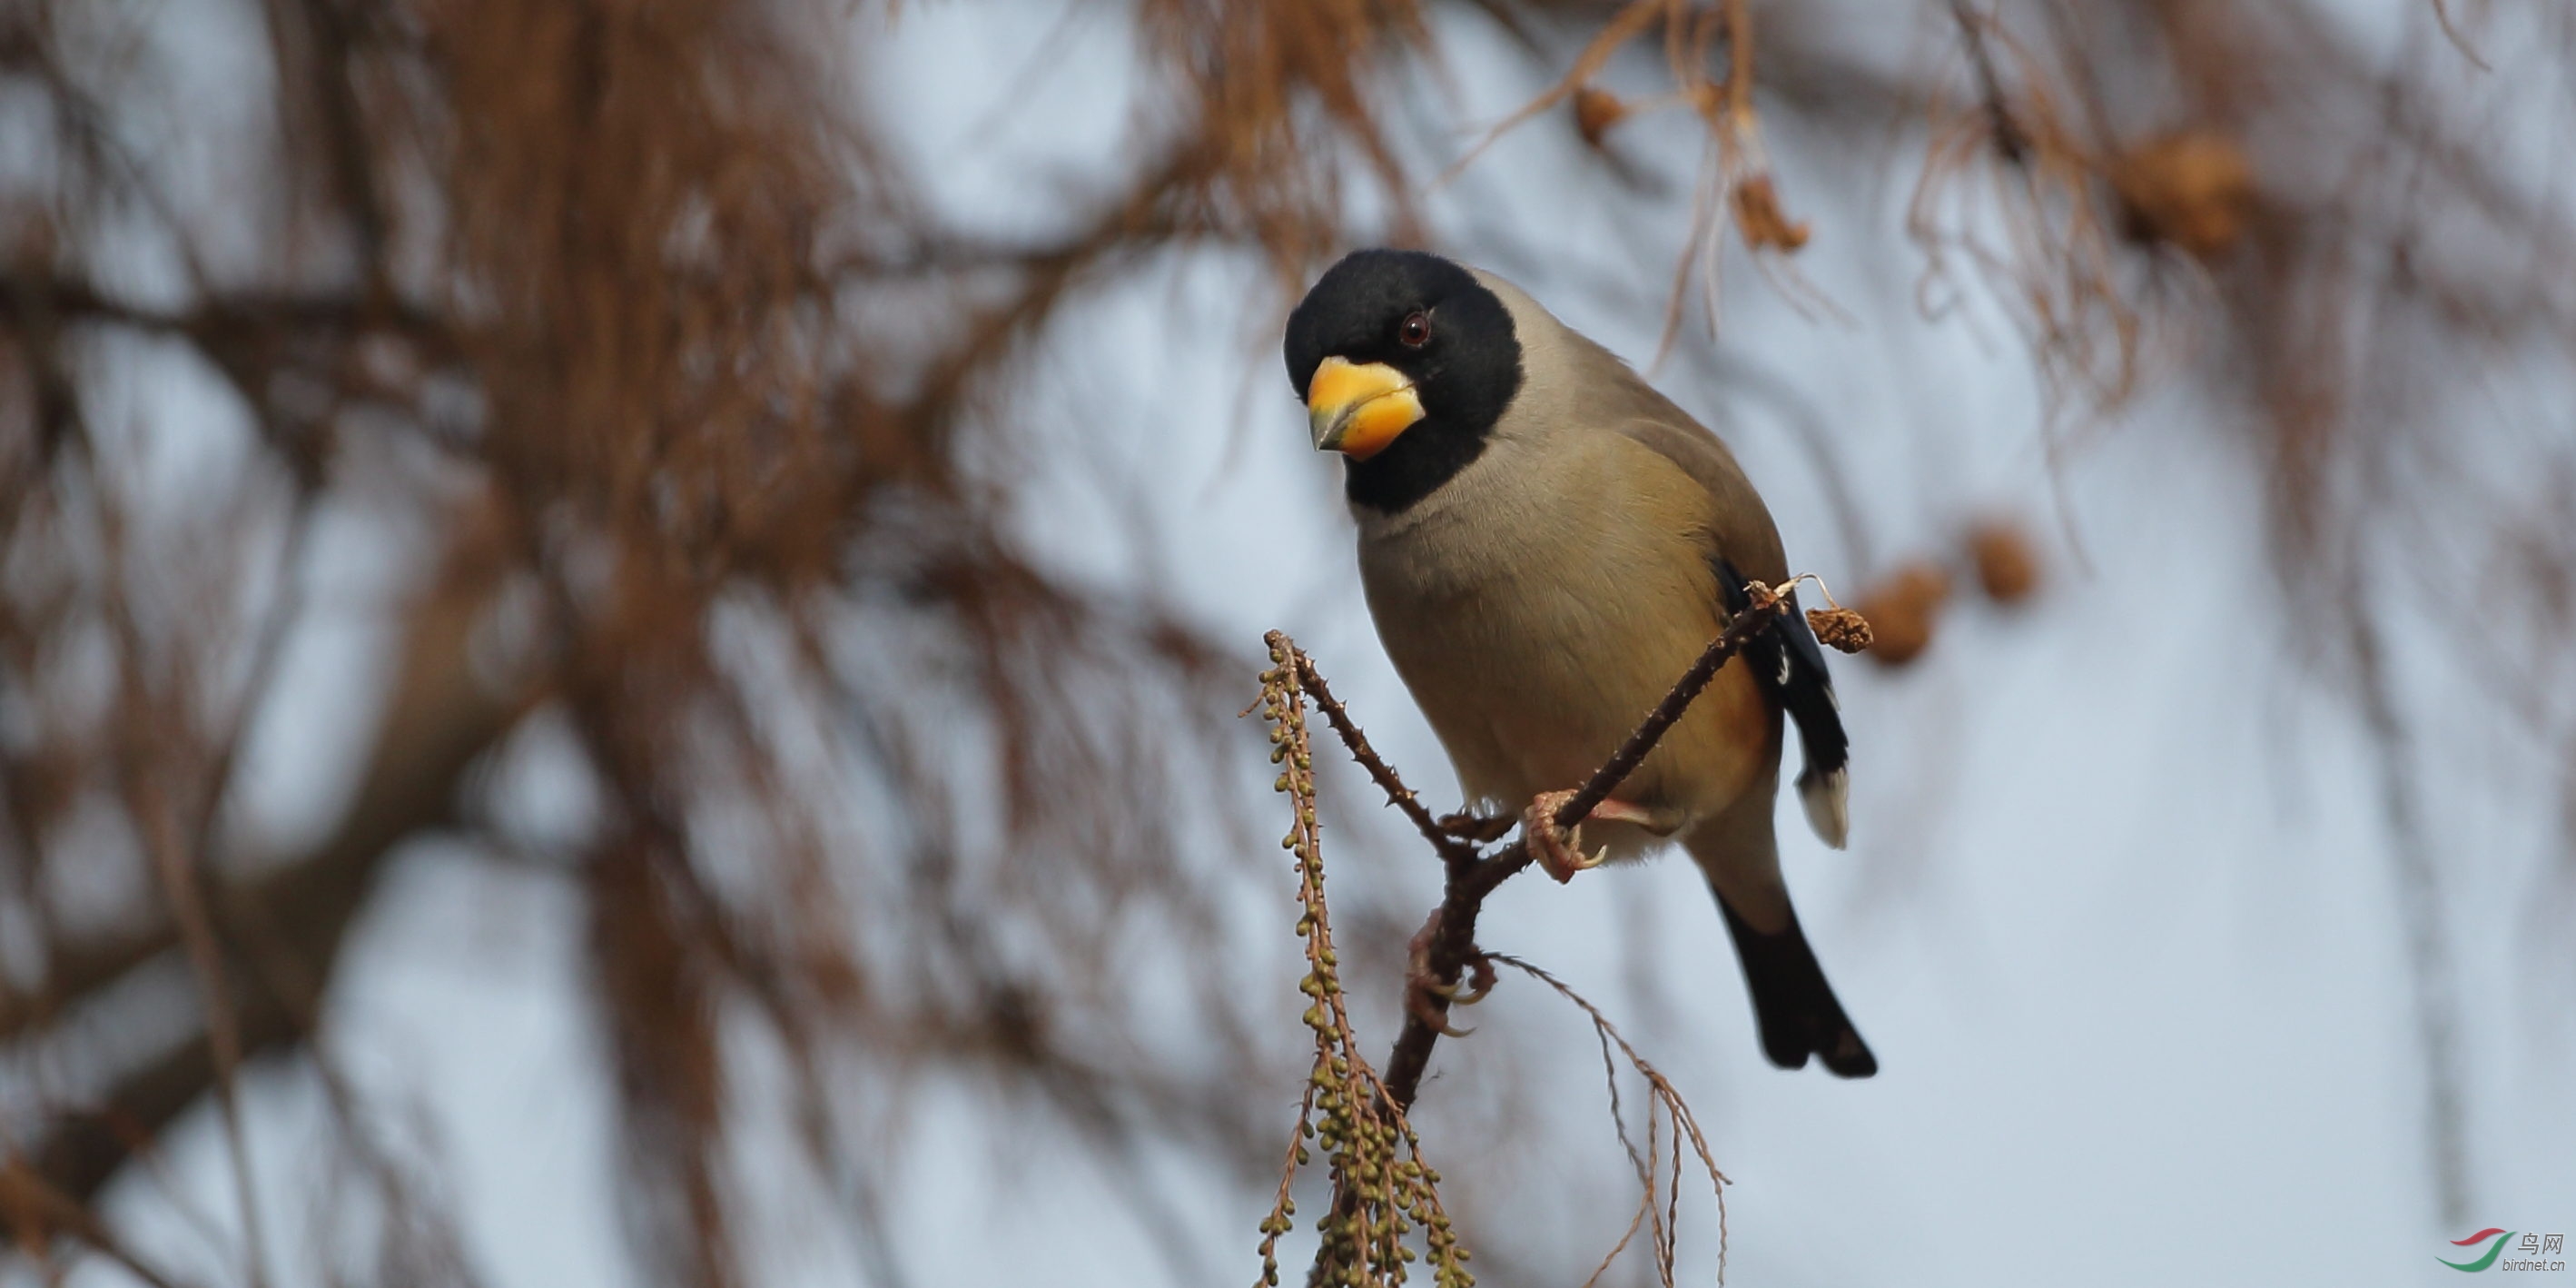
(1436, 363)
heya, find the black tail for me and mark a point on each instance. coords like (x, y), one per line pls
(1793, 1003)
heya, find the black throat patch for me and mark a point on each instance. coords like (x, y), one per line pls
(1414, 465)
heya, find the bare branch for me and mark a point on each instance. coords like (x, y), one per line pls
(443, 718)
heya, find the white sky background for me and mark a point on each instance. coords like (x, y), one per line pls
(2118, 917)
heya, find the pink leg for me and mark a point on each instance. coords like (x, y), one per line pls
(1561, 852)
(1661, 822)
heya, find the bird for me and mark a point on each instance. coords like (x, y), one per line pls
(1545, 545)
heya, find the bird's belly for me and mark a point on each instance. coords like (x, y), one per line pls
(1532, 680)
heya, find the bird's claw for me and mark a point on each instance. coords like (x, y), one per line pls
(1478, 984)
(1426, 997)
(1558, 850)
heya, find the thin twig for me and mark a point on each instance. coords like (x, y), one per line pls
(2459, 41)
(2010, 141)
(1664, 1227)
(1453, 850)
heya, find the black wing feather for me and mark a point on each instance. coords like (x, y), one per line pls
(1789, 665)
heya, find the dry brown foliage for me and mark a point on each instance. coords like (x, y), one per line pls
(1904, 611)
(618, 299)
(2006, 559)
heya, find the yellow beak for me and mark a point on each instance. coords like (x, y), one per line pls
(1358, 410)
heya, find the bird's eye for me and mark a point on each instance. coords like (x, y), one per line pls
(1416, 331)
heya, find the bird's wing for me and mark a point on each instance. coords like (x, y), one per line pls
(1788, 662)
(1740, 528)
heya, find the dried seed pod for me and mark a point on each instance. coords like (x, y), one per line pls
(2191, 189)
(1595, 111)
(1759, 217)
(1901, 610)
(2007, 560)
(1839, 628)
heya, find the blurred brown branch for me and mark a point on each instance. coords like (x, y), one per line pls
(282, 930)
(35, 1211)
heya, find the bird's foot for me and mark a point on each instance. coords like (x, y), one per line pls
(1478, 828)
(1561, 852)
(1426, 997)
(1558, 850)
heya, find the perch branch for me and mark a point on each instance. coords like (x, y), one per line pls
(1470, 882)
